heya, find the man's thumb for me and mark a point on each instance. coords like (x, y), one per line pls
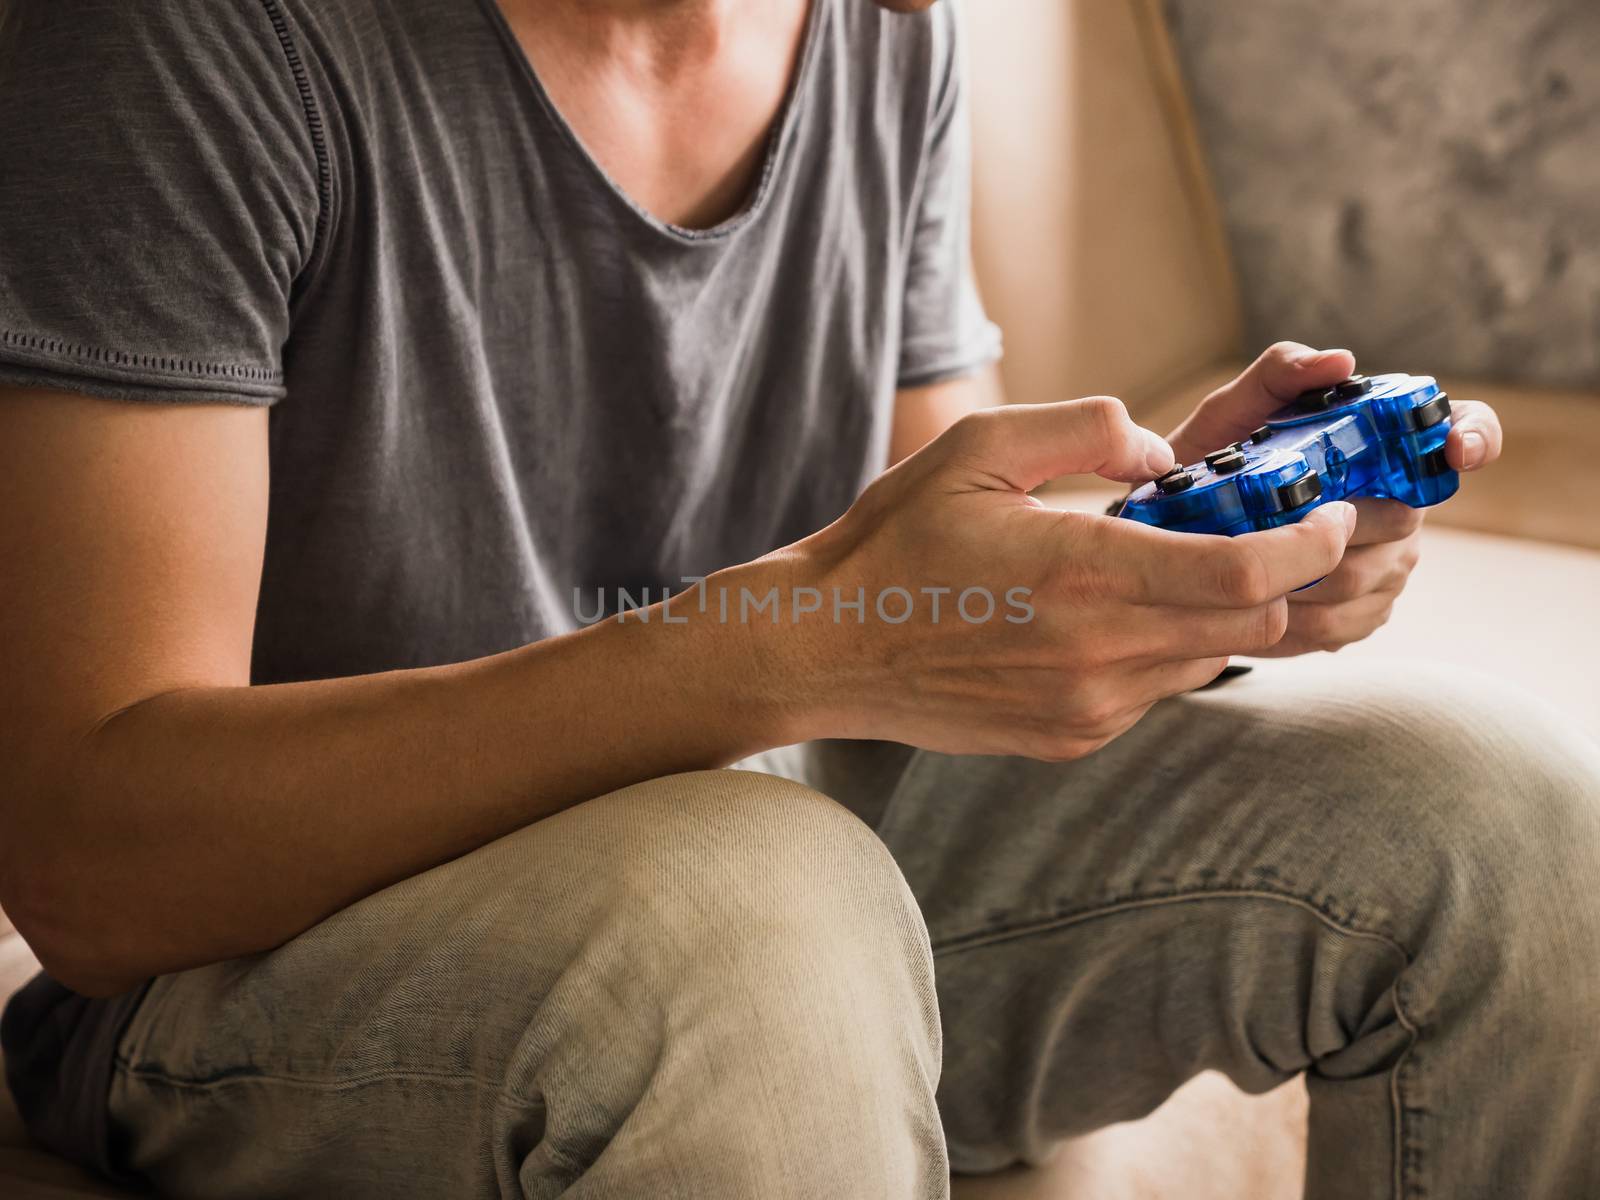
(1029, 444)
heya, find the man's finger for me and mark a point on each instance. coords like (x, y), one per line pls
(1475, 438)
(1364, 571)
(1281, 373)
(1173, 679)
(1384, 521)
(1024, 445)
(1329, 626)
(1196, 570)
(1171, 633)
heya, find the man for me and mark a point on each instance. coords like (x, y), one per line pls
(347, 343)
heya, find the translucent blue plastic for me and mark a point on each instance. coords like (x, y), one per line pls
(1366, 446)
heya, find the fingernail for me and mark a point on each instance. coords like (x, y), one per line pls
(1346, 512)
(1473, 448)
(1158, 455)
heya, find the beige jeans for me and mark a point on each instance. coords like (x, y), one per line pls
(721, 985)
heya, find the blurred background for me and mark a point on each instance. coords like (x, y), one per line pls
(1417, 181)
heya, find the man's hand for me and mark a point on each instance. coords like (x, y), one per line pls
(1123, 614)
(1358, 596)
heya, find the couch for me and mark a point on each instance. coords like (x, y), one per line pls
(1100, 251)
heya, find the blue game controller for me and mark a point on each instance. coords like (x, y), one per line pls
(1382, 436)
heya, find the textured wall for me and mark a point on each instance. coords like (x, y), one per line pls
(1418, 180)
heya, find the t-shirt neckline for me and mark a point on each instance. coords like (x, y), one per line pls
(777, 140)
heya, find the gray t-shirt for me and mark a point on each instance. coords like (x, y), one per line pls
(493, 378)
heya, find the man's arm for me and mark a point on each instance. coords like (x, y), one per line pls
(923, 413)
(156, 812)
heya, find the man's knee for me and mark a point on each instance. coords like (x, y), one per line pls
(734, 937)
(1477, 810)
(1467, 762)
(729, 865)
(737, 903)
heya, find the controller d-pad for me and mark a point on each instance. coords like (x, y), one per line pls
(1174, 481)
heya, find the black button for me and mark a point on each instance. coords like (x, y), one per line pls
(1435, 409)
(1302, 491)
(1260, 435)
(1434, 462)
(1318, 399)
(1174, 481)
(1226, 462)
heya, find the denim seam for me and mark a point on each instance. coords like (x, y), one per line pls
(1407, 1145)
(146, 1073)
(985, 937)
(1407, 1149)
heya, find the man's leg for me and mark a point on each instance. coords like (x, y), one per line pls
(1388, 880)
(711, 985)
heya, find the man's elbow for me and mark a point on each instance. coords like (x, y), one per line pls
(95, 978)
(80, 942)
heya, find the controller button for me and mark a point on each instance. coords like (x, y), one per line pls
(1260, 435)
(1301, 491)
(1433, 462)
(1174, 481)
(1226, 462)
(1317, 399)
(1435, 409)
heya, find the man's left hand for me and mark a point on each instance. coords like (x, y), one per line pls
(1357, 598)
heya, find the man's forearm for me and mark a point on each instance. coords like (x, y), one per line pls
(207, 823)
(923, 413)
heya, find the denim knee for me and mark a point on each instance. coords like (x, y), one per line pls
(745, 866)
(731, 899)
(1475, 823)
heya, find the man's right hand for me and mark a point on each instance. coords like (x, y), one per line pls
(1124, 614)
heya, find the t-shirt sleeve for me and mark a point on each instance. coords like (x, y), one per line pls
(944, 331)
(160, 198)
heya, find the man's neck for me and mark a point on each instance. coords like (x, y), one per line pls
(658, 39)
(674, 98)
